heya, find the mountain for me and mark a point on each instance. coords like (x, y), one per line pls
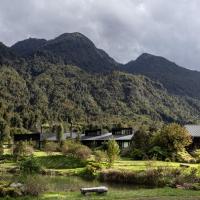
(177, 80)
(68, 48)
(64, 92)
(76, 49)
(6, 54)
(27, 47)
(69, 78)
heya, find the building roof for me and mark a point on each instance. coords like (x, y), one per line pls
(52, 137)
(103, 137)
(194, 130)
(107, 136)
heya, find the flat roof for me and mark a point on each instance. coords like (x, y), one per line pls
(194, 130)
(102, 137)
(107, 136)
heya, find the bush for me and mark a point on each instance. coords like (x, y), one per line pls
(82, 152)
(100, 156)
(91, 171)
(30, 166)
(50, 147)
(76, 150)
(10, 191)
(35, 185)
(184, 156)
(22, 149)
(1, 149)
(151, 177)
(158, 153)
(138, 154)
(196, 155)
(112, 151)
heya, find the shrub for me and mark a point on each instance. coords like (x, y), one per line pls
(1, 149)
(112, 151)
(76, 150)
(35, 185)
(196, 155)
(82, 152)
(184, 156)
(91, 171)
(10, 191)
(138, 154)
(50, 147)
(22, 149)
(100, 156)
(157, 152)
(151, 177)
(30, 166)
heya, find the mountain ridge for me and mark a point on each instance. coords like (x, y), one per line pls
(69, 77)
(178, 80)
(77, 49)
(72, 48)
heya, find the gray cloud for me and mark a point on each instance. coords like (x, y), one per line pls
(124, 29)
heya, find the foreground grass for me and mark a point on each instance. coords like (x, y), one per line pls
(139, 194)
(145, 194)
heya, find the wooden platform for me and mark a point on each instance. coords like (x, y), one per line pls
(98, 190)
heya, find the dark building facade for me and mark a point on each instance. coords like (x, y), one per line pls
(35, 137)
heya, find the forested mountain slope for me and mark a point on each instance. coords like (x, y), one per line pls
(68, 78)
(176, 79)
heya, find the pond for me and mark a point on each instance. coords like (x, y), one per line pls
(73, 183)
(70, 183)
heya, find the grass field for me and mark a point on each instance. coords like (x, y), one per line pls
(67, 187)
(58, 162)
(139, 194)
(133, 165)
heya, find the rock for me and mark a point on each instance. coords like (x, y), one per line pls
(16, 185)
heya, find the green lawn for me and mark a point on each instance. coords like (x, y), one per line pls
(66, 165)
(142, 194)
(60, 162)
(133, 165)
(139, 194)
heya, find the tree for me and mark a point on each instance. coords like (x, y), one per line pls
(30, 165)
(60, 133)
(142, 138)
(1, 149)
(4, 130)
(173, 138)
(22, 149)
(112, 151)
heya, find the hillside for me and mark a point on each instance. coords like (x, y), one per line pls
(177, 80)
(66, 92)
(68, 78)
(76, 49)
(6, 54)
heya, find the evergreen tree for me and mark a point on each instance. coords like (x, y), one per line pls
(60, 133)
(112, 151)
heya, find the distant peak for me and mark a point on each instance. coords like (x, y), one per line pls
(71, 35)
(3, 45)
(146, 56)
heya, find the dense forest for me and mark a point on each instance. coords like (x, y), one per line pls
(68, 79)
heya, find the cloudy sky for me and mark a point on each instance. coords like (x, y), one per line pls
(123, 28)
